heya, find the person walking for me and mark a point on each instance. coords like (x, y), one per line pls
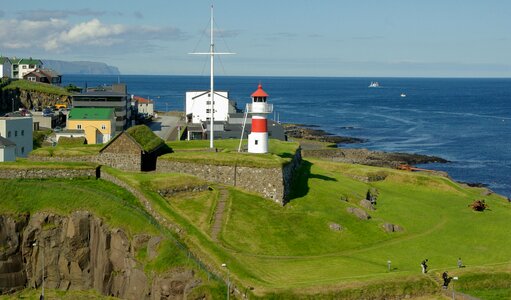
(424, 266)
(446, 279)
(460, 263)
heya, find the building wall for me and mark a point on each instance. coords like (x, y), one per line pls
(18, 131)
(5, 69)
(8, 154)
(146, 108)
(120, 106)
(92, 127)
(199, 106)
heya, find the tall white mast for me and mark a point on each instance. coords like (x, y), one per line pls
(212, 54)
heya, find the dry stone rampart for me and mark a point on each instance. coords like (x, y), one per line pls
(271, 183)
(123, 161)
(35, 173)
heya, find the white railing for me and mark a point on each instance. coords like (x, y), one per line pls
(259, 107)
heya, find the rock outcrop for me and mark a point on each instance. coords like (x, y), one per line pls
(80, 252)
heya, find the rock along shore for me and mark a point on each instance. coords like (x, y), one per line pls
(309, 135)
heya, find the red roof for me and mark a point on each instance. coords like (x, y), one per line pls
(260, 92)
(142, 100)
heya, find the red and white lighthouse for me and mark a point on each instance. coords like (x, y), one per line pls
(259, 108)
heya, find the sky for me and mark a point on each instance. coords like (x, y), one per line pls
(368, 38)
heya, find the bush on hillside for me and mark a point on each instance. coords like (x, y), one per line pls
(479, 205)
(71, 141)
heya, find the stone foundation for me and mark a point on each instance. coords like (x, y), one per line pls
(271, 183)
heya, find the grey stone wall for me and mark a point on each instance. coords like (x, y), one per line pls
(123, 161)
(271, 183)
(35, 173)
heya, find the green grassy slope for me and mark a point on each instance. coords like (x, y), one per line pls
(273, 248)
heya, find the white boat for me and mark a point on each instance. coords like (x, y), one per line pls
(374, 84)
(403, 95)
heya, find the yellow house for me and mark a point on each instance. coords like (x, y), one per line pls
(98, 124)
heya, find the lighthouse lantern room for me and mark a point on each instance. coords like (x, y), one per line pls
(259, 108)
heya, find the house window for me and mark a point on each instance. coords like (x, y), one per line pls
(103, 126)
(15, 133)
(24, 67)
(256, 142)
(8, 134)
(208, 111)
(31, 66)
(23, 133)
(31, 78)
(22, 150)
(79, 126)
(208, 102)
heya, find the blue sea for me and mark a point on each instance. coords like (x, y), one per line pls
(466, 121)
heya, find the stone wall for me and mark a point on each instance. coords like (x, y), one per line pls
(129, 162)
(81, 253)
(271, 183)
(35, 173)
(123, 144)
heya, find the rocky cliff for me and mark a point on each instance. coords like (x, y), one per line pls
(29, 99)
(80, 252)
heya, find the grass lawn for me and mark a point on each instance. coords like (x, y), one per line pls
(67, 150)
(274, 248)
(280, 153)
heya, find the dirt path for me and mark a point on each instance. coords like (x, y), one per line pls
(219, 213)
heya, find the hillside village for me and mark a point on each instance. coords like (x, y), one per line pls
(107, 196)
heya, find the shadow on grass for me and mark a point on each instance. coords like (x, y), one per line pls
(300, 184)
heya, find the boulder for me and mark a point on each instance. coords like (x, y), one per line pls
(388, 227)
(359, 213)
(366, 204)
(335, 227)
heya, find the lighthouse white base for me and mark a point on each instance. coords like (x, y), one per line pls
(258, 142)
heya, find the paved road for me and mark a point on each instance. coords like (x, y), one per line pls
(165, 127)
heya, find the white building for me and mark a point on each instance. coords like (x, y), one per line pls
(198, 106)
(23, 66)
(19, 131)
(5, 67)
(7, 150)
(144, 106)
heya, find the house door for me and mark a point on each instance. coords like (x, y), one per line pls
(99, 138)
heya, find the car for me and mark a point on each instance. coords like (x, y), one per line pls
(57, 129)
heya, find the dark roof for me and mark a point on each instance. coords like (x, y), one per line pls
(100, 94)
(6, 143)
(3, 59)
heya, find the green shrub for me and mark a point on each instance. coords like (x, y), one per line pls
(71, 141)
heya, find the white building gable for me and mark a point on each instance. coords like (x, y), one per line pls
(19, 131)
(198, 104)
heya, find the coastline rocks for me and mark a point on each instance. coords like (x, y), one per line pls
(307, 132)
(372, 158)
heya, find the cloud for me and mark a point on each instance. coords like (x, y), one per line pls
(59, 36)
(41, 15)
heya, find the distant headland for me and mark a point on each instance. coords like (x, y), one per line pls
(81, 67)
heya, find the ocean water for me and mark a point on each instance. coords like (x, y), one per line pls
(466, 121)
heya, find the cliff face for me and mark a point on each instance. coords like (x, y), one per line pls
(80, 252)
(29, 99)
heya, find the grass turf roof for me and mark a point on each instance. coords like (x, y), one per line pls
(144, 136)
